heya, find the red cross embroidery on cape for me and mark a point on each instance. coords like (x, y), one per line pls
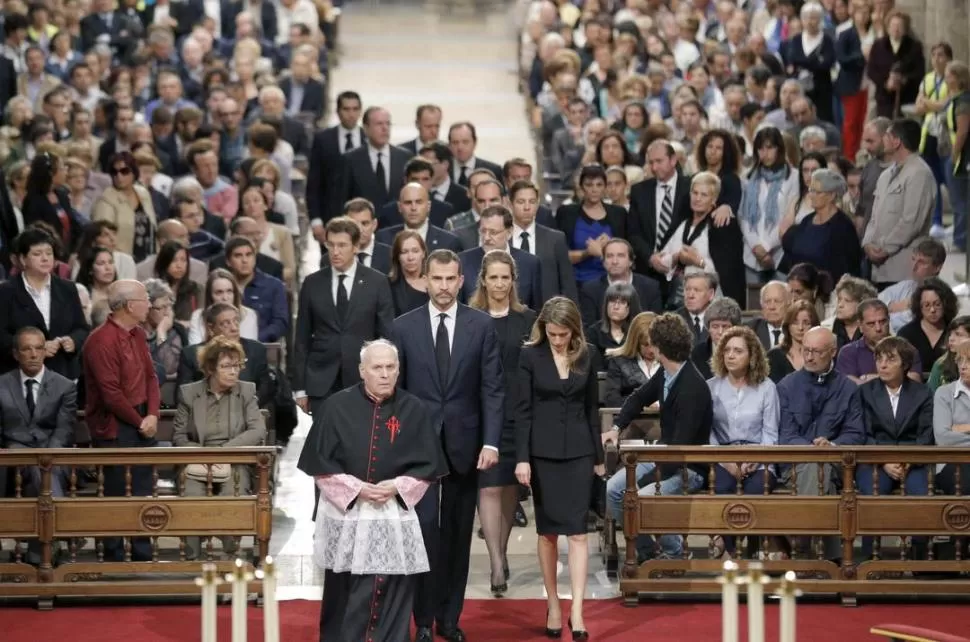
(394, 426)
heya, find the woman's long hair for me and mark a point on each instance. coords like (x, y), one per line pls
(771, 136)
(42, 170)
(637, 335)
(731, 163)
(949, 369)
(396, 272)
(479, 299)
(222, 273)
(796, 308)
(757, 359)
(85, 273)
(563, 312)
(620, 292)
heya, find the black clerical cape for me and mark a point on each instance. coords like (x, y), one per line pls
(370, 552)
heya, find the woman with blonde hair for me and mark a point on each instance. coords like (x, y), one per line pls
(558, 447)
(746, 413)
(496, 295)
(633, 363)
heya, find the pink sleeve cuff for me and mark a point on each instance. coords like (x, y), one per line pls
(411, 489)
(339, 490)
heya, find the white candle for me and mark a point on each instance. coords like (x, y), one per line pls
(209, 583)
(240, 592)
(788, 592)
(756, 602)
(271, 609)
(729, 602)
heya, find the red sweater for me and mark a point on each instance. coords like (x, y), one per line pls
(118, 376)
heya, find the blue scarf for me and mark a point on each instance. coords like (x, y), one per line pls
(750, 212)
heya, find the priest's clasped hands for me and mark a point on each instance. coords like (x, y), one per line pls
(378, 493)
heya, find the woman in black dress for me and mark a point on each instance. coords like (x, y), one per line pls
(620, 305)
(409, 289)
(934, 306)
(787, 357)
(559, 448)
(495, 293)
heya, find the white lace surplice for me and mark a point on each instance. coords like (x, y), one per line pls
(369, 539)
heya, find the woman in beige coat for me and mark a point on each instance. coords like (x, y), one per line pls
(129, 206)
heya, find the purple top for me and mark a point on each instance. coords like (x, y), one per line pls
(857, 359)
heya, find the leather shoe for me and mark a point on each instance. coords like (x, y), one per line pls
(452, 635)
(424, 634)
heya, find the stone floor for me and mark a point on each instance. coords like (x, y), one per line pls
(461, 56)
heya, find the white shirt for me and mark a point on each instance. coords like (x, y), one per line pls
(348, 282)
(214, 8)
(369, 251)
(342, 137)
(440, 193)
(469, 166)
(385, 153)
(649, 369)
(676, 242)
(39, 378)
(762, 233)
(517, 237)
(772, 329)
(42, 299)
(449, 321)
(894, 397)
(661, 193)
(423, 230)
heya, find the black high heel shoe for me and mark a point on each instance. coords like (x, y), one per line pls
(498, 590)
(578, 634)
(552, 633)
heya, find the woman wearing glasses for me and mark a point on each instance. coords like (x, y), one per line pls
(934, 306)
(129, 206)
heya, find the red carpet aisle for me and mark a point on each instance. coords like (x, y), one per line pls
(483, 621)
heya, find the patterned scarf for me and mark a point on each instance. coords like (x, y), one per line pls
(750, 212)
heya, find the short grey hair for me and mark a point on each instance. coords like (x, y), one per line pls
(187, 188)
(811, 7)
(158, 289)
(791, 82)
(773, 284)
(722, 309)
(378, 343)
(120, 293)
(830, 182)
(810, 132)
(271, 89)
(881, 124)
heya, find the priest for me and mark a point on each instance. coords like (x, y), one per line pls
(373, 452)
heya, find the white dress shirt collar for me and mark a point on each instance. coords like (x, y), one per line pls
(39, 378)
(531, 231)
(894, 397)
(354, 136)
(442, 189)
(452, 312)
(351, 272)
(423, 230)
(671, 182)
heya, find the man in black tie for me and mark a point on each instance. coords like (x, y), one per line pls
(341, 306)
(463, 139)
(699, 291)
(374, 171)
(775, 299)
(450, 358)
(323, 197)
(369, 252)
(427, 120)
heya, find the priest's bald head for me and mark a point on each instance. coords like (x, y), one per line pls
(379, 368)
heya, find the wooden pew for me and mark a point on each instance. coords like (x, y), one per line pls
(166, 428)
(907, 633)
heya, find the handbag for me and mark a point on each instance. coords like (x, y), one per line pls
(199, 472)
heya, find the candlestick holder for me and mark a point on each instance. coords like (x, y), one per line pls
(729, 581)
(755, 581)
(788, 591)
(209, 582)
(271, 610)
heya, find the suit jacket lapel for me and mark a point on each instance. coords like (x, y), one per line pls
(903, 410)
(424, 320)
(459, 342)
(28, 302)
(199, 411)
(13, 385)
(356, 292)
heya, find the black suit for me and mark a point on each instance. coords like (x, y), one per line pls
(528, 282)
(264, 263)
(468, 410)
(314, 98)
(552, 250)
(457, 195)
(913, 421)
(437, 238)
(8, 81)
(295, 133)
(18, 310)
(232, 8)
(326, 348)
(643, 215)
(479, 163)
(323, 194)
(8, 222)
(390, 215)
(592, 293)
(412, 146)
(123, 32)
(380, 260)
(699, 337)
(761, 328)
(186, 14)
(359, 180)
(256, 370)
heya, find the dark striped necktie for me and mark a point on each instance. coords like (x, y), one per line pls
(666, 214)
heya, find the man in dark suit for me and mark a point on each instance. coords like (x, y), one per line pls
(519, 169)
(374, 171)
(304, 94)
(618, 260)
(462, 139)
(415, 207)
(369, 252)
(8, 80)
(442, 187)
(657, 206)
(38, 409)
(230, 25)
(418, 170)
(545, 243)
(341, 307)
(699, 291)
(428, 123)
(323, 197)
(686, 412)
(450, 358)
(494, 228)
(485, 192)
(272, 104)
(775, 300)
(104, 24)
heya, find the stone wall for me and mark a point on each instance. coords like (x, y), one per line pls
(941, 20)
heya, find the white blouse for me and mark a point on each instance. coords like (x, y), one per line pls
(669, 252)
(765, 234)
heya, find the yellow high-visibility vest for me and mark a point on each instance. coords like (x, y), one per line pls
(951, 124)
(934, 92)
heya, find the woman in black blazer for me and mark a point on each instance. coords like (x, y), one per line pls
(632, 364)
(47, 200)
(66, 328)
(558, 446)
(587, 222)
(495, 293)
(896, 69)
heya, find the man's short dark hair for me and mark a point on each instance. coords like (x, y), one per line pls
(14, 22)
(933, 250)
(899, 345)
(442, 257)
(750, 109)
(262, 137)
(348, 95)
(236, 242)
(415, 166)
(359, 204)
(459, 125)
(344, 225)
(423, 108)
(625, 243)
(909, 133)
(712, 280)
(24, 331)
(302, 27)
(369, 111)
(672, 338)
(759, 74)
(872, 304)
(498, 210)
(442, 152)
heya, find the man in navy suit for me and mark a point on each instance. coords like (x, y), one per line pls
(495, 229)
(618, 259)
(428, 123)
(463, 139)
(323, 196)
(450, 359)
(303, 93)
(415, 206)
(370, 253)
(420, 171)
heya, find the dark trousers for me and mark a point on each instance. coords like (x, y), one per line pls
(316, 411)
(447, 527)
(114, 486)
(754, 484)
(916, 482)
(946, 479)
(376, 608)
